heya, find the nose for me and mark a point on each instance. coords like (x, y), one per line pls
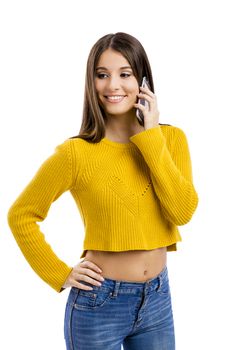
(113, 83)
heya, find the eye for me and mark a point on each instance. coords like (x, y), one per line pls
(101, 75)
(125, 75)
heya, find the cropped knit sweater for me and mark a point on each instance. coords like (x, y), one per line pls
(131, 196)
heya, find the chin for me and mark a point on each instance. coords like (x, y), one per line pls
(119, 110)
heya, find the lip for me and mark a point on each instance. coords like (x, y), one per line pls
(115, 101)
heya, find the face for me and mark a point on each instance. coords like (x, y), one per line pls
(115, 83)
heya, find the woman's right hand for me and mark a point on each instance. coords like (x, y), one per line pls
(84, 271)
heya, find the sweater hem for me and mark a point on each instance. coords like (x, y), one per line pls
(171, 246)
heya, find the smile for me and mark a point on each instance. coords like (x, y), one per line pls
(115, 98)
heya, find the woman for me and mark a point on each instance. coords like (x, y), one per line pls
(132, 181)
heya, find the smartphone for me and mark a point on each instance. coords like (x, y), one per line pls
(142, 101)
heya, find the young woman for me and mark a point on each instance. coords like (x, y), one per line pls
(132, 181)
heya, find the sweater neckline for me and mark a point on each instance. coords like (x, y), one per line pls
(118, 144)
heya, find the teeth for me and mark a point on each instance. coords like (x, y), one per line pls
(115, 97)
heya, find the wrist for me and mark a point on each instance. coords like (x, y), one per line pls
(151, 126)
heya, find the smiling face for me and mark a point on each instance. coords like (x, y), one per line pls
(115, 84)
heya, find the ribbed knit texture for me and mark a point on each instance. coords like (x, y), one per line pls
(131, 196)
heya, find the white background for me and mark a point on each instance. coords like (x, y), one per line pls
(44, 46)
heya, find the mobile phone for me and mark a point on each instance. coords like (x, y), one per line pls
(142, 101)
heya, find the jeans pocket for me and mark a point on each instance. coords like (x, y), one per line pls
(163, 287)
(92, 299)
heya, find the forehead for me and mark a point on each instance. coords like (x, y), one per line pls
(112, 59)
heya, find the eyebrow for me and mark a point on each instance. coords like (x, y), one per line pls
(104, 68)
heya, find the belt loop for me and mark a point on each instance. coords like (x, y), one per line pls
(116, 288)
(160, 281)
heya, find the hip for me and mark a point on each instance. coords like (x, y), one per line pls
(131, 266)
(117, 312)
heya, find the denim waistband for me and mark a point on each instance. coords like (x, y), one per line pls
(127, 287)
(111, 282)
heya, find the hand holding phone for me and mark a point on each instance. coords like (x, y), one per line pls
(142, 101)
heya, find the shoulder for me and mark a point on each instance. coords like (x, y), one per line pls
(175, 137)
(172, 132)
(71, 145)
(77, 148)
(73, 153)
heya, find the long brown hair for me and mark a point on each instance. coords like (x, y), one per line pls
(93, 119)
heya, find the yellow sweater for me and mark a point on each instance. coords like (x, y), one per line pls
(131, 196)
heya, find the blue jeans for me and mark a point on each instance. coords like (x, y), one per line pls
(136, 315)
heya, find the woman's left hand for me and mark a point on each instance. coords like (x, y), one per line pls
(150, 113)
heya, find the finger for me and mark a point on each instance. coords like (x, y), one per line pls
(146, 97)
(87, 272)
(147, 101)
(91, 265)
(86, 279)
(140, 106)
(81, 285)
(150, 98)
(90, 280)
(143, 108)
(147, 90)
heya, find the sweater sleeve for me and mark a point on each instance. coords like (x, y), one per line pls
(52, 179)
(171, 172)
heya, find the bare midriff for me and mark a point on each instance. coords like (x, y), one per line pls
(131, 265)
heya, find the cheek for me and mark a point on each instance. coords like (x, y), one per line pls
(133, 88)
(133, 93)
(98, 86)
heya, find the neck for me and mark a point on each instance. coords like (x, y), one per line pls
(121, 128)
